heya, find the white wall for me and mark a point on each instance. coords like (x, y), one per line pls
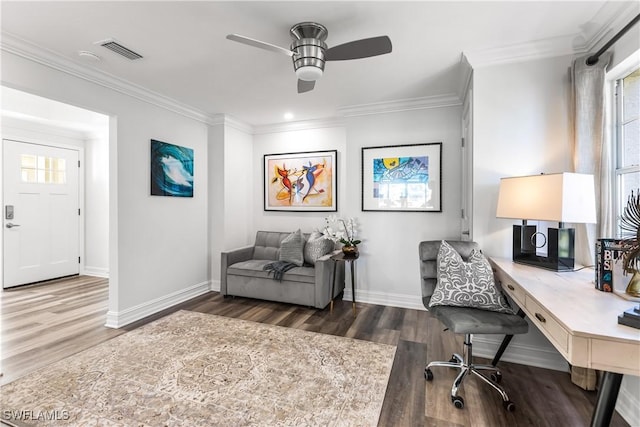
(626, 46)
(388, 270)
(216, 221)
(96, 199)
(231, 193)
(322, 139)
(522, 126)
(161, 241)
(239, 173)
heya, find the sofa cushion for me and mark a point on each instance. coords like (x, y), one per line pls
(291, 248)
(317, 246)
(255, 268)
(267, 245)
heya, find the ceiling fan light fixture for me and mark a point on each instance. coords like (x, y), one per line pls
(309, 51)
(309, 73)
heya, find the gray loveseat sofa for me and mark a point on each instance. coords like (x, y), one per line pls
(242, 274)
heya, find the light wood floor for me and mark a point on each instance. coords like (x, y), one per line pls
(45, 323)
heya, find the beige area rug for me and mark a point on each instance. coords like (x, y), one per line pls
(194, 369)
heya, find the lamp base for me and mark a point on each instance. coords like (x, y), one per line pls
(560, 248)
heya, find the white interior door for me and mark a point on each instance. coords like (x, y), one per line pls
(40, 211)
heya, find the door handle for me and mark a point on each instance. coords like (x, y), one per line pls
(10, 225)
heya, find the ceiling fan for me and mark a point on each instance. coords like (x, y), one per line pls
(309, 51)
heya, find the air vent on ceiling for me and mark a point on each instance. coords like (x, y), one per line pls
(118, 48)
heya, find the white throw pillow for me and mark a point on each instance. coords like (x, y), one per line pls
(467, 284)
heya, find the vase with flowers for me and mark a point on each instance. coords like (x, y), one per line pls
(630, 226)
(343, 231)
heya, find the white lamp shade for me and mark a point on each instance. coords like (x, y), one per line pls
(561, 197)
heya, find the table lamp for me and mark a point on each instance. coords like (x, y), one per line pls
(559, 197)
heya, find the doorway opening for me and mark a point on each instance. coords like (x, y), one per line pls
(47, 148)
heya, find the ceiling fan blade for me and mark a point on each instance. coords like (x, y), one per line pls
(359, 49)
(305, 86)
(258, 43)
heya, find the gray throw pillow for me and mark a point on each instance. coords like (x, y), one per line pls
(467, 284)
(291, 248)
(317, 246)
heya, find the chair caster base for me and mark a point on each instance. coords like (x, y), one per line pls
(428, 375)
(509, 406)
(457, 401)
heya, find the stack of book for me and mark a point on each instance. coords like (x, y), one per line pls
(630, 317)
(608, 252)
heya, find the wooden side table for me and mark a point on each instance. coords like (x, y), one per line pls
(351, 259)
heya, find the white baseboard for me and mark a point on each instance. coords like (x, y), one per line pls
(548, 358)
(483, 346)
(628, 404)
(384, 298)
(122, 318)
(95, 271)
(215, 285)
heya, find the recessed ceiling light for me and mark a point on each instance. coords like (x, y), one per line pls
(288, 116)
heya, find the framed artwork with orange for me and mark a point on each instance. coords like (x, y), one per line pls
(301, 182)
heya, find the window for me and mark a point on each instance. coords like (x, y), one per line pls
(42, 170)
(627, 139)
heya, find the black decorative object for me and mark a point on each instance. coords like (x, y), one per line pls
(630, 317)
(563, 198)
(560, 247)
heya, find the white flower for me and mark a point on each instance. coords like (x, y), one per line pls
(341, 230)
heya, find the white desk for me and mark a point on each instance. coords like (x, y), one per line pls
(580, 321)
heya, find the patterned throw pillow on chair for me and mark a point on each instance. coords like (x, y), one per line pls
(467, 284)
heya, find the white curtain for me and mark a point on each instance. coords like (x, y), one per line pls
(592, 151)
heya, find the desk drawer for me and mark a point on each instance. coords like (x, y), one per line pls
(510, 287)
(615, 356)
(547, 324)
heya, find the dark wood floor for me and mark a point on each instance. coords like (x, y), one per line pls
(45, 323)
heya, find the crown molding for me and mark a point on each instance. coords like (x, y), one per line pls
(538, 49)
(230, 121)
(25, 49)
(436, 101)
(610, 19)
(297, 126)
(614, 17)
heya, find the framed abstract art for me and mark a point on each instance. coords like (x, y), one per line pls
(301, 182)
(403, 178)
(171, 170)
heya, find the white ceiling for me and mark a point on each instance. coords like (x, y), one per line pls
(21, 106)
(188, 59)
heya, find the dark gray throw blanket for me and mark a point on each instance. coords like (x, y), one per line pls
(278, 268)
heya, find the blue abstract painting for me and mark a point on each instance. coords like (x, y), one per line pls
(171, 170)
(401, 169)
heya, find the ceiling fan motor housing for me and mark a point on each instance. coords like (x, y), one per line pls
(308, 58)
(308, 50)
